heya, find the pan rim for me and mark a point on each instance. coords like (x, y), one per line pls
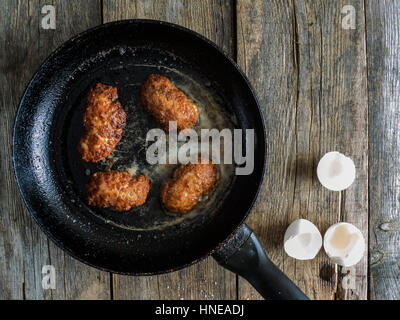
(95, 29)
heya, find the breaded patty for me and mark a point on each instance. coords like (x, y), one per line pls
(167, 103)
(103, 122)
(188, 183)
(117, 189)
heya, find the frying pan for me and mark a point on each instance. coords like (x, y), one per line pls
(51, 176)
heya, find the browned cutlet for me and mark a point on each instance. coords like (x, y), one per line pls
(103, 122)
(117, 189)
(165, 103)
(188, 183)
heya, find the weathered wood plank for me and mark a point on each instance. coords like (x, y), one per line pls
(205, 280)
(211, 18)
(23, 247)
(264, 47)
(310, 77)
(383, 52)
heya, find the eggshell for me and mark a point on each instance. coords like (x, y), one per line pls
(335, 171)
(344, 244)
(302, 240)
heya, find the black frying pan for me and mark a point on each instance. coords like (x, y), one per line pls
(146, 240)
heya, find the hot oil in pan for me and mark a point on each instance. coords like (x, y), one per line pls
(130, 154)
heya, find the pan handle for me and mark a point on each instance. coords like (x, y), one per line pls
(244, 255)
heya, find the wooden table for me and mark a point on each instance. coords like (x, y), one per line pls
(323, 88)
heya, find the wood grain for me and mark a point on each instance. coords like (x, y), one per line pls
(23, 247)
(310, 76)
(205, 280)
(383, 52)
(312, 80)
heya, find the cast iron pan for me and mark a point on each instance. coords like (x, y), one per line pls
(146, 240)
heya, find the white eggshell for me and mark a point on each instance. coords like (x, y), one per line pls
(302, 240)
(335, 171)
(344, 244)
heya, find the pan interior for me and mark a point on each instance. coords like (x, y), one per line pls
(126, 69)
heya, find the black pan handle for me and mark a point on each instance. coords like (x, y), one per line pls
(244, 255)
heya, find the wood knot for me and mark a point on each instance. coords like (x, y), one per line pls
(389, 226)
(376, 256)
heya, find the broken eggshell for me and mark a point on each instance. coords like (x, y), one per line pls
(302, 240)
(344, 244)
(335, 171)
